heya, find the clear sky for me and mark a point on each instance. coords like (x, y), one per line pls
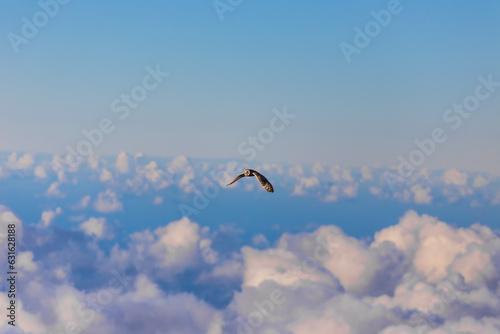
(226, 76)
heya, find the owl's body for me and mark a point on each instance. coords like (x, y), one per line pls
(262, 179)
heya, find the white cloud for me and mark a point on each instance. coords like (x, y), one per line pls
(453, 176)
(480, 181)
(158, 200)
(122, 163)
(296, 172)
(318, 168)
(328, 282)
(25, 261)
(3, 173)
(341, 191)
(94, 226)
(350, 190)
(105, 175)
(260, 239)
(93, 160)
(346, 175)
(183, 173)
(366, 173)
(305, 183)
(53, 190)
(107, 202)
(178, 165)
(40, 172)
(421, 195)
(333, 194)
(82, 204)
(48, 217)
(24, 162)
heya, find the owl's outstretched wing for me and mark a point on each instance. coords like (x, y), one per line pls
(237, 178)
(265, 183)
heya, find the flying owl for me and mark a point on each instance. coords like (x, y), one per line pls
(262, 179)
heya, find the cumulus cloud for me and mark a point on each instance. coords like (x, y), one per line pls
(366, 173)
(3, 173)
(169, 249)
(48, 217)
(480, 181)
(183, 173)
(40, 172)
(305, 183)
(419, 275)
(94, 226)
(82, 204)
(93, 160)
(107, 202)
(53, 190)
(421, 195)
(341, 191)
(121, 163)
(24, 162)
(105, 175)
(453, 176)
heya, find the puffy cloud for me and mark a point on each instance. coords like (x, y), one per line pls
(121, 163)
(25, 261)
(480, 181)
(94, 226)
(168, 250)
(183, 172)
(453, 176)
(158, 200)
(48, 217)
(296, 172)
(346, 175)
(421, 195)
(54, 191)
(93, 160)
(24, 162)
(420, 275)
(178, 165)
(327, 323)
(107, 202)
(366, 173)
(318, 168)
(260, 239)
(154, 175)
(341, 191)
(105, 175)
(40, 172)
(8, 217)
(82, 204)
(3, 173)
(305, 183)
(333, 194)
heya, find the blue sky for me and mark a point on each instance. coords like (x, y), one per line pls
(227, 76)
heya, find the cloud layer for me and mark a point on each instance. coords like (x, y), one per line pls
(420, 275)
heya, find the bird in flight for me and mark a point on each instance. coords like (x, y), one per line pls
(262, 179)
